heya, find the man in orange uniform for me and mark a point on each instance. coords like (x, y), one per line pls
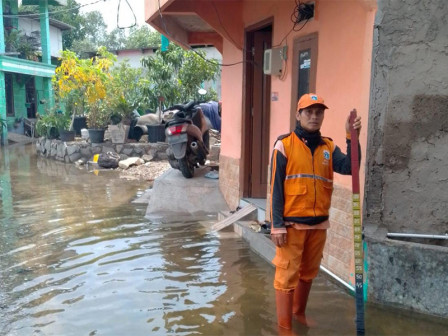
(302, 166)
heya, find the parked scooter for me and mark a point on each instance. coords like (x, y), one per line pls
(188, 136)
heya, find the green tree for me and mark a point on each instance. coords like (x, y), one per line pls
(115, 40)
(88, 81)
(177, 75)
(83, 48)
(72, 17)
(127, 90)
(142, 37)
(95, 27)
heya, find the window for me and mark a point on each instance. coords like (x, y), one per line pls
(304, 68)
(304, 72)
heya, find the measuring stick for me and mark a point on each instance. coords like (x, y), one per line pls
(357, 229)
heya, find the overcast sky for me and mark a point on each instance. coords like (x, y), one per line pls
(108, 9)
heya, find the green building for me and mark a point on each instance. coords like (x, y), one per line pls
(29, 47)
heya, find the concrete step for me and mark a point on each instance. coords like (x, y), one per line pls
(260, 203)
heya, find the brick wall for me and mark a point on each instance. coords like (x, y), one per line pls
(229, 177)
(338, 252)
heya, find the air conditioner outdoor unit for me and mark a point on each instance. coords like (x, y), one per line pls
(273, 61)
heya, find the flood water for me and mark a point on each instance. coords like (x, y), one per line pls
(78, 258)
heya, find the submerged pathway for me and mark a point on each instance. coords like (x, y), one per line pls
(77, 257)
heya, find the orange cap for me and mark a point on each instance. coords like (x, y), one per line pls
(309, 99)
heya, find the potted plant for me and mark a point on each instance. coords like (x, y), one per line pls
(125, 96)
(66, 130)
(53, 124)
(98, 117)
(90, 79)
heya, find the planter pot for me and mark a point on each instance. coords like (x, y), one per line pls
(156, 133)
(118, 133)
(96, 135)
(52, 133)
(66, 135)
(79, 123)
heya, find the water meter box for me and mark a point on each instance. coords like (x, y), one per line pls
(273, 61)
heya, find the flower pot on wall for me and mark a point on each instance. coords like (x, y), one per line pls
(96, 135)
(65, 135)
(156, 133)
(52, 133)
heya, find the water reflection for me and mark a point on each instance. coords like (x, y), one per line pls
(77, 258)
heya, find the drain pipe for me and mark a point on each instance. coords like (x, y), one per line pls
(416, 235)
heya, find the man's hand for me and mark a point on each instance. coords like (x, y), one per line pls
(356, 125)
(279, 239)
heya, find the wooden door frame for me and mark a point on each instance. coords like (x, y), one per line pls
(309, 41)
(246, 149)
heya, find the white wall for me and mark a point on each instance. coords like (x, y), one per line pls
(27, 26)
(133, 56)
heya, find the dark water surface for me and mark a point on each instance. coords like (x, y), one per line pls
(78, 258)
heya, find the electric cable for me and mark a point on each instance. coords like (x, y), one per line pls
(118, 15)
(300, 13)
(33, 15)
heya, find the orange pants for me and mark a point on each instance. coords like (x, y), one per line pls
(299, 259)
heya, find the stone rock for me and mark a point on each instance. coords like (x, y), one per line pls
(147, 157)
(127, 150)
(74, 157)
(47, 147)
(96, 149)
(108, 160)
(61, 149)
(53, 151)
(86, 152)
(72, 149)
(152, 151)
(162, 156)
(133, 161)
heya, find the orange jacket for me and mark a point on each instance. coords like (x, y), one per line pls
(302, 181)
(309, 179)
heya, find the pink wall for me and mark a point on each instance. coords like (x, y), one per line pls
(232, 102)
(343, 70)
(343, 67)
